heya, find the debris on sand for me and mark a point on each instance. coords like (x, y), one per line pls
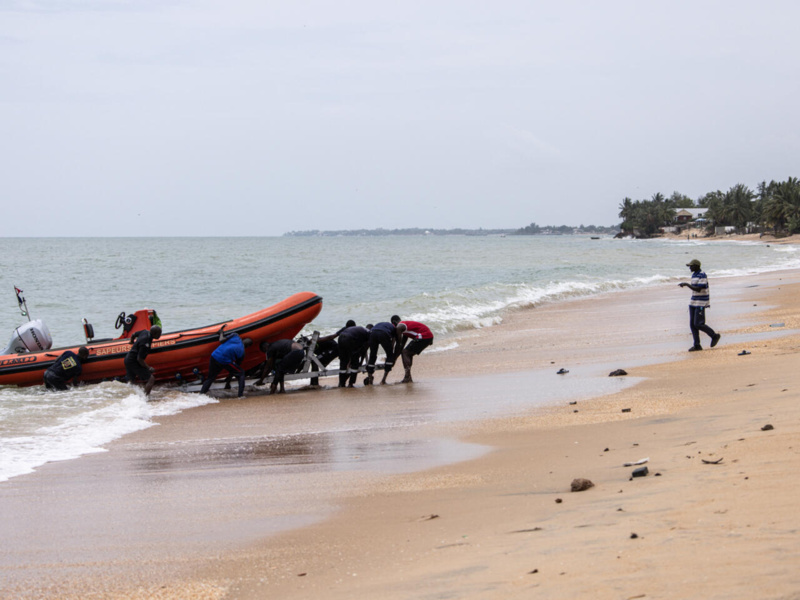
(580, 485)
(640, 472)
(767, 427)
(532, 529)
(641, 461)
(618, 373)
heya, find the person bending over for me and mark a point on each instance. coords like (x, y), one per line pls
(228, 355)
(382, 335)
(421, 337)
(135, 365)
(67, 366)
(285, 356)
(353, 344)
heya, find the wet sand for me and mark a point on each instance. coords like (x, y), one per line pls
(234, 501)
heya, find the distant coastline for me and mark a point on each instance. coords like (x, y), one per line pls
(532, 229)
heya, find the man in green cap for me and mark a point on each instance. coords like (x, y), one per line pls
(697, 306)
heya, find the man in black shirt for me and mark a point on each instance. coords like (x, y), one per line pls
(286, 356)
(353, 346)
(382, 335)
(135, 365)
(67, 366)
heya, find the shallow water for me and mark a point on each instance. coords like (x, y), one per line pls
(451, 283)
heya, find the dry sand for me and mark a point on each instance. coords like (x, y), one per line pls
(507, 525)
(714, 518)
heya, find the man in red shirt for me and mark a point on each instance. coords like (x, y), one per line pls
(421, 337)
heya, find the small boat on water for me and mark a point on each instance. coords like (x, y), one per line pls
(177, 356)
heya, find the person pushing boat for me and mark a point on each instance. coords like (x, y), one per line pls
(228, 355)
(135, 365)
(353, 346)
(67, 367)
(421, 337)
(383, 335)
(285, 356)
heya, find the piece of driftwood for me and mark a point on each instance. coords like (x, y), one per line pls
(711, 462)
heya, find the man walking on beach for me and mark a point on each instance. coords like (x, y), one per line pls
(697, 306)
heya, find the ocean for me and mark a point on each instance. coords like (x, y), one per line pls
(452, 283)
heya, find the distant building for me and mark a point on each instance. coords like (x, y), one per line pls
(687, 215)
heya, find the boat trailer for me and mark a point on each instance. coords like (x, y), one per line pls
(312, 368)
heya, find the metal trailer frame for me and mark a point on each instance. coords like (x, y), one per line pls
(310, 361)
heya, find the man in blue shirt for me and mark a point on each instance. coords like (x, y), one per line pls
(228, 355)
(697, 306)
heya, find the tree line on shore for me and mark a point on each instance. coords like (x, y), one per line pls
(774, 205)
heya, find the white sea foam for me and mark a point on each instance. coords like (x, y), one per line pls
(486, 306)
(66, 425)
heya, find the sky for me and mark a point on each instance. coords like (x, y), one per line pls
(258, 117)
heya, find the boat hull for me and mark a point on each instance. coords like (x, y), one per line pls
(174, 356)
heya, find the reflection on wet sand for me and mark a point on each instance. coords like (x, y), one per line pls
(225, 475)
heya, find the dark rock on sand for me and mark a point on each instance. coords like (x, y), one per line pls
(640, 472)
(618, 373)
(580, 485)
(767, 427)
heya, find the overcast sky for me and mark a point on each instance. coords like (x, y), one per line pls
(258, 117)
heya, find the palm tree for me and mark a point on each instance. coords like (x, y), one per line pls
(738, 206)
(783, 204)
(626, 214)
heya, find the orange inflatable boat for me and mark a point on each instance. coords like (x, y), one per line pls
(177, 356)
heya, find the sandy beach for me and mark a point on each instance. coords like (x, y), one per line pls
(713, 518)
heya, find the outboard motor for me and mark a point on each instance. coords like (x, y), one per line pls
(33, 336)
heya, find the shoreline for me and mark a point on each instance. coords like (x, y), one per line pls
(372, 527)
(501, 532)
(434, 517)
